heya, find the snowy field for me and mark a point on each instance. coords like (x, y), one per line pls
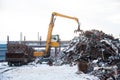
(41, 72)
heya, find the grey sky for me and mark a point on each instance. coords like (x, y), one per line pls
(32, 16)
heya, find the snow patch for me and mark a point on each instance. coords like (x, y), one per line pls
(44, 72)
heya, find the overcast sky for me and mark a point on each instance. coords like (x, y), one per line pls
(33, 16)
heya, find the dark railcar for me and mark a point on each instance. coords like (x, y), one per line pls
(19, 54)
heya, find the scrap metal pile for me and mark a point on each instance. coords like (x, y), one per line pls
(93, 47)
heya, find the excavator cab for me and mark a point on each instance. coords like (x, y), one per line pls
(55, 41)
(55, 38)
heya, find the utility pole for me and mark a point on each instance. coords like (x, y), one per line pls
(40, 39)
(38, 36)
(7, 39)
(20, 37)
(24, 38)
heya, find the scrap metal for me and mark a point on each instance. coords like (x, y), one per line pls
(90, 46)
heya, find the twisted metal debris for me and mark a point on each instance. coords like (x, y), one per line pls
(93, 46)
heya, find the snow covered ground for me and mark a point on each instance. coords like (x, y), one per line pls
(41, 72)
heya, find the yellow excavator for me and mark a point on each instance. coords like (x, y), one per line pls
(53, 41)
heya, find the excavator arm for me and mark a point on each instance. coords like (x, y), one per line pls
(50, 29)
(51, 25)
(69, 17)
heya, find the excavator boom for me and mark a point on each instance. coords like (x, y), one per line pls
(65, 16)
(69, 17)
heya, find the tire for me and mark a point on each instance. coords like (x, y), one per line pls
(19, 64)
(10, 64)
